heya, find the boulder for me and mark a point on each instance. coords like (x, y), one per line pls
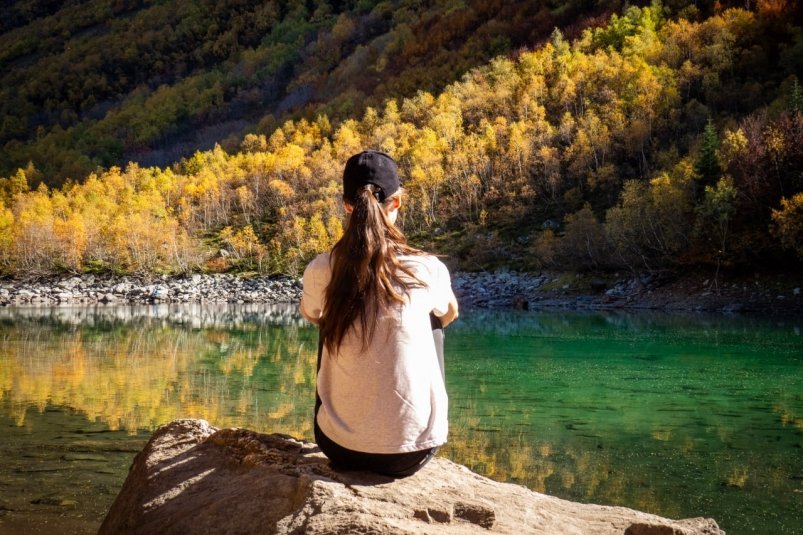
(192, 478)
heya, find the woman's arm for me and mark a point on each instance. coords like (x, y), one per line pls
(451, 312)
(314, 281)
(306, 314)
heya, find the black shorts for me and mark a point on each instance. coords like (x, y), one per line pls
(389, 464)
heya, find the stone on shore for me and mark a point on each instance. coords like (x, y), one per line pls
(193, 478)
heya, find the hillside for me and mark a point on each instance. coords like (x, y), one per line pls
(660, 139)
(103, 82)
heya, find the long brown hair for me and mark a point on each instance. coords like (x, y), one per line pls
(367, 276)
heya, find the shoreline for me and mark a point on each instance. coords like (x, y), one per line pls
(776, 295)
(773, 295)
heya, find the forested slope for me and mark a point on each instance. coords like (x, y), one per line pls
(103, 82)
(658, 140)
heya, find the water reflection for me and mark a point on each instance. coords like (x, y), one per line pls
(677, 415)
(194, 315)
(139, 367)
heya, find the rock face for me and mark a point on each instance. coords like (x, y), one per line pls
(193, 478)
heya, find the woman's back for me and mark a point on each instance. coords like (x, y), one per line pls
(388, 397)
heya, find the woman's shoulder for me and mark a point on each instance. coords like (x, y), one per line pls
(318, 264)
(321, 259)
(426, 261)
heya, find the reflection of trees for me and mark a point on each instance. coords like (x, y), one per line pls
(557, 467)
(191, 315)
(674, 478)
(141, 373)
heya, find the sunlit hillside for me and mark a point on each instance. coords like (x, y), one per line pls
(103, 82)
(661, 138)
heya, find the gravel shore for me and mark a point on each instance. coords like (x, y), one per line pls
(494, 290)
(91, 289)
(698, 292)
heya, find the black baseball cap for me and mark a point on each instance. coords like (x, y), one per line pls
(371, 167)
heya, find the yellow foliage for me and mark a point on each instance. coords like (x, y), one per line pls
(246, 246)
(540, 133)
(6, 235)
(789, 223)
(281, 189)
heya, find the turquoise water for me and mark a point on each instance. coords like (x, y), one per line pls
(677, 415)
(681, 416)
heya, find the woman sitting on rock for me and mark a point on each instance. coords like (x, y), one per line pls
(381, 400)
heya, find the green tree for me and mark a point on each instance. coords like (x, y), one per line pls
(714, 222)
(707, 167)
(796, 98)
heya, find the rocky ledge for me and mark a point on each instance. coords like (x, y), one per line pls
(500, 289)
(778, 294)
(91, 289)
(193, 478)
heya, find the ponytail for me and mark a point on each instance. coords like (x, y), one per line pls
(367, 276)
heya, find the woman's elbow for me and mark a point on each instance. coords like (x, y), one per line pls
(451, 314)
(307, 316)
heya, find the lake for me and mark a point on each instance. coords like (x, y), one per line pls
(678, 415)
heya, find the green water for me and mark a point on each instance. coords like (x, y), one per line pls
(677, 415)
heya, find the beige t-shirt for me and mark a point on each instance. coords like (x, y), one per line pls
(389, 397)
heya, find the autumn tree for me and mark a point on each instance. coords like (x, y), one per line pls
(788, 224)
(584, 243)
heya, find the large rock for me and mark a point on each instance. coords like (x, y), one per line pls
(192, 478)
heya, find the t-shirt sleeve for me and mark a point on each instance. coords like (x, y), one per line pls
(441, 288)
(314, 282)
